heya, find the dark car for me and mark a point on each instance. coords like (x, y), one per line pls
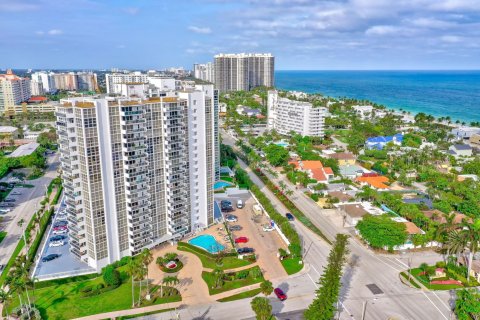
(9, 200)
(50, 257)
(227, 209)
(245, 250)
(235, 228)
(58, 238)
(225, 203)
(60, 224)
(280, 294)
(290, 216)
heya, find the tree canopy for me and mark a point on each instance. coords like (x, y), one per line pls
(381, 231)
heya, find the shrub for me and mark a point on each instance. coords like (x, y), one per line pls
(241, 274)
(111, 276)
(440, 264)
(86, 289)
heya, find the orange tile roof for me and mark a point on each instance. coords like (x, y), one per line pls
(311, 164)
(328, 170)
(318, 174)
(377, 182)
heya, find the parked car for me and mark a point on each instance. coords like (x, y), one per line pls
(235, 228)
(5, 210)
(290, 216)
(15, 193)
(241, 240)
(268, 228)
(239, 204)
(58, 238)
(60, 223)
(50, 257)
(9, 200)
(228, 209)
(225, 203)
(280, 294)
(56, 243)
(60, 228)
(62, 231)
(231, 218)
(245, 250)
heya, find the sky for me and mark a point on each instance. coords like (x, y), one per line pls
(302, 34)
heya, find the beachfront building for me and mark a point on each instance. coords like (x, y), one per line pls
(13, 91)
(460, 150)
(69, 81)
(465, 132)
(137, 171)
(286, 116)
(243, 71)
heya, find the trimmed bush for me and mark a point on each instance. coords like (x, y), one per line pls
(111, 276)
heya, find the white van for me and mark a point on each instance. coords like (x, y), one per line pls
(239, 204)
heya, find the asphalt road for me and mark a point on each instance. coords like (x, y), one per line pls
(396, 301)
(25, 207)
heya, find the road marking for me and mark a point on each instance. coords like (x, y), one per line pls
(314, 283)
(315, 269)
(434, 305)
(403, 263)
(441, 301)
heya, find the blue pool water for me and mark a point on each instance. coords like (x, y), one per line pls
(207, 242)
(281, 143)
(221, 184)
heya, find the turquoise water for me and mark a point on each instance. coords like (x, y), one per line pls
(439, 93)
(281, 143)
(207, 242)
(221, 184)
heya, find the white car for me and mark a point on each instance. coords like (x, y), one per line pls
(5, 210)
(61, 231)
(231, 218)
(268, 228)
(56, 243)
(62, 218)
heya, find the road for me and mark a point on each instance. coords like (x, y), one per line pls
(26, 205)
(365, 268)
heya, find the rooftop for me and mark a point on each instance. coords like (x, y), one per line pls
(376, 182)
(342, 156)
(462, 147)
(354, 210)
(24, 150)
(7, 129)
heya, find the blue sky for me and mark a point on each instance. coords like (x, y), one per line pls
(302, 34)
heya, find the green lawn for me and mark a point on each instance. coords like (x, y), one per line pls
(3, 234)
(65, 301)
(227, 178)
(292, 265)
(416, 273)
(208, 262)
(230, 285)
(412, 282)
(243, 295)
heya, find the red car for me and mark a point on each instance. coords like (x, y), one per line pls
(241, 240)
(280, 294)
(60, 228)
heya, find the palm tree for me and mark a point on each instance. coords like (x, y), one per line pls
(468, 237)
(444, 229)
(174, 281)
(20, 223)
(266, 287)
(131, 271)
(4, 296)
(218, 275)
(147, 258)
(262, 308)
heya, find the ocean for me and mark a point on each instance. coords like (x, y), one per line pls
(440, 93)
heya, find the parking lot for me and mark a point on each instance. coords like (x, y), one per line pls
(265, 243)
(65, 265)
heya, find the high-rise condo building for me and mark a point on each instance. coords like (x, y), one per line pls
(205, 72)
(13, 91)
(71, 81)
(285, 116)
(137, 171)
(36, 88)
(111, 79)
(244, 71)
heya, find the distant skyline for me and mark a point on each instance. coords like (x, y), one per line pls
(302, 34)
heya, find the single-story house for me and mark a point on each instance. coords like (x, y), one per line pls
(344, 158)
(352, 171)
(375, 182)
(315, 170)
(341, 196)
(24, 150)
(246, 111)
(460, 150)
(465, 132)
(8, 132)
(380, 142)
(440, 217)
(463, 177)
(352, 213)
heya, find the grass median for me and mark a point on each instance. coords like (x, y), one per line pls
(292, 265)
(231, 282)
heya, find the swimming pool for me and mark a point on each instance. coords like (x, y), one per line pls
(207, 242)
(282, 143)
(221, 184)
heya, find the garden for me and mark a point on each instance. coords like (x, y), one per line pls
(443, 276)
(219, 281)
(222, 260)
(170, 263)
(86, 295)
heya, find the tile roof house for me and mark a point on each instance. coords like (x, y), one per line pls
(315, 169)
(376, 182)
(440, 217)
(380, 142)
(344, 158)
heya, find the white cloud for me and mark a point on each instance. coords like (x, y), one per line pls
(39, 33)
(451, 39)
(55, 32)
(131, 10)
(381, 30)
(202, 30)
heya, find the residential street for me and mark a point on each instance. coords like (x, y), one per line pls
(25, 207)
